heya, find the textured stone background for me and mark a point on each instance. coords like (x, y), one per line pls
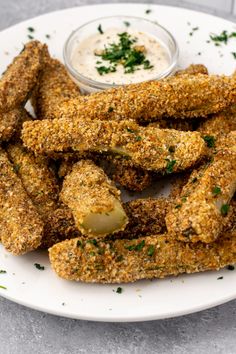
(25, 331)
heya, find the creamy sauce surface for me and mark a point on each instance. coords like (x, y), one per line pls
(85, 61)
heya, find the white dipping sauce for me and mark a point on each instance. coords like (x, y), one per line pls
(85, 61)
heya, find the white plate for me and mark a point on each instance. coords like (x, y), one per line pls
(144, 300)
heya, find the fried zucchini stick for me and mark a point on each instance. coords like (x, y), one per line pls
(204, 202)
(220, 124)
(37, 178)
(9, 122)
(123, 261)
(150, 148)
(21, 227)
(183, 96)
(93, 199)
(21, 76)
(54, 87)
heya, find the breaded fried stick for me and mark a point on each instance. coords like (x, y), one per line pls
(21, 76)
(9, 122)
(204, 202)
(150, 148)
(183, 96)
(93, 199)
(146, 217)
(219, 124)
(37, 178)
(54, 87)
(123, 261)
(21, 228)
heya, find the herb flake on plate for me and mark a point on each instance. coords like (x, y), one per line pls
(39, 266)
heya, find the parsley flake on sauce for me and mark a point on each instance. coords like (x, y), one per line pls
(100, 30)
(2, 271)
(125, 53)
(38, 266)
(3, 287)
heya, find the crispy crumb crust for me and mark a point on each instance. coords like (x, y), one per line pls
(219, 124)
(87, 190)
(37, 178)
(21, 227)
(147, 147)
(145, 217)
(53, 88)
(21, 76)
(182, 96)
(9, 123)
(197, 214)
(122, 261)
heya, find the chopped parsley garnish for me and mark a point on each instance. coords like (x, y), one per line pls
(170, 165)
(126, 23)
(234, 54)
(3, 287)
(130, 130)
(2, 271)
(216, 190)
(151, 250)
(137, 247)
(100, 29)
(148, 11)
(30, 37)
(38, 266)
(178, 206)
(31, 29)
(193, 30)
(105, 69)
(93, 242)
(210, 140)
(79, 243)
(224, 209)
(223, 37)
(110, 109)
(138, 138)
(140, 246)
(230, 267)
(124, 53)
(119, 290)
(48, 36)
(220, 278)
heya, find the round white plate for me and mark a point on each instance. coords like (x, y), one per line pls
(143, 300)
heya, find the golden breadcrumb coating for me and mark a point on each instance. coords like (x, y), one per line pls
(145, 217)
(21, 76)
(161, 150)
(183, 96)
(122, 261)
(60, 226)
(93, 199)
(53, 88)
(219, 124)
(204, 201)
(21, 227)
(37, 178)
(9, 123)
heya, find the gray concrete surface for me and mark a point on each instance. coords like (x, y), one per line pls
(25, 331)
